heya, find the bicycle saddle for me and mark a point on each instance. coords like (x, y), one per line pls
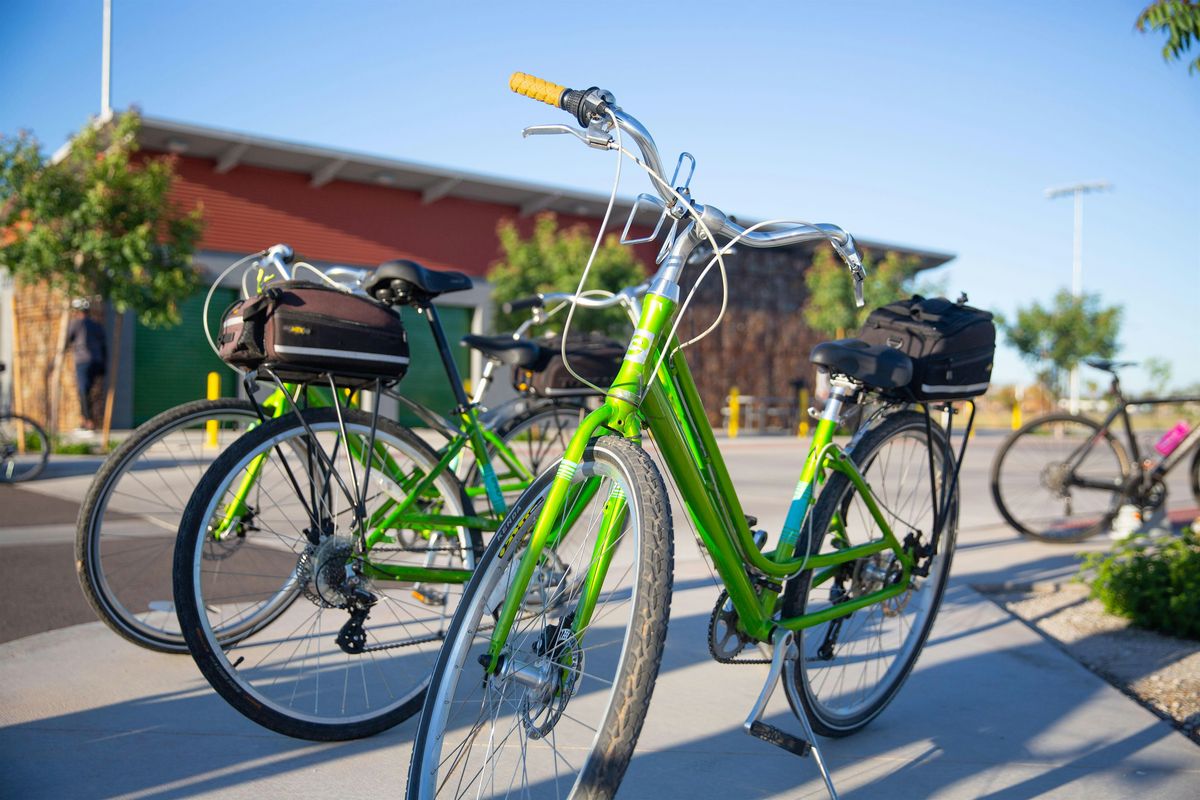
(428, 282)
(1107, 365)
(507, 350)
(875, 365)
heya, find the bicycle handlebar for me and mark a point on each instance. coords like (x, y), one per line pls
(281, 257)
(596, 110)
(536, 301)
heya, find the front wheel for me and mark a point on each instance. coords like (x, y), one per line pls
(562, 713)
(848, 669)
(24, 449)
(1059, 478)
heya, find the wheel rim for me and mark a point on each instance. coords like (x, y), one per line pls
(485, 738)
(1037, 481)
(847, 673)
(134, 524)
(295, 667)
(19, 463)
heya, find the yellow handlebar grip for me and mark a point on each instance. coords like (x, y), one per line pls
(538, 89)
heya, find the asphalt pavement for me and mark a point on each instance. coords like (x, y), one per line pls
(992, 710)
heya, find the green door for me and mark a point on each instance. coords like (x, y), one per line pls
(426, 381)
(171, 365)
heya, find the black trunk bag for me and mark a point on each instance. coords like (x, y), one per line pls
(951, 345)
(302, 331)
(595, 357)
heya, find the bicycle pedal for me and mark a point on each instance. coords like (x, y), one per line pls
(772, 735)
(430, 597)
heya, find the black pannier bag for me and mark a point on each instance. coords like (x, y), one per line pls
(593, 356)
(302, 330)
(951, 345)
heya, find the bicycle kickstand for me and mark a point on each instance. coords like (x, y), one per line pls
(783, 640)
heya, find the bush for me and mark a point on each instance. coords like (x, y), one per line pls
(1155, 585)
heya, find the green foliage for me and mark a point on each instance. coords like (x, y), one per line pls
(98, 222)
(1059, 336)
(551, 260)
(1155, 586)
(1180, 19)
(830, 309)
(1159, 372)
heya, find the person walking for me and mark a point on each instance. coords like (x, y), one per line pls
(85, 339)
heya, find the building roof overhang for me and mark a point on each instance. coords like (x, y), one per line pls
(230, 149)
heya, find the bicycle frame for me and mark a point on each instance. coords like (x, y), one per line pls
(397, 511)
(673, 413)
(1140, 474)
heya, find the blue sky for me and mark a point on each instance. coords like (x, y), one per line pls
(923, 123)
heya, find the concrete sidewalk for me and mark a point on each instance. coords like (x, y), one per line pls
(993, 710)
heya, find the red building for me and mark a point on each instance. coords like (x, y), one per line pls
(339, 207)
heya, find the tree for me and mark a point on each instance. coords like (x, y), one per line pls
(1158, 370)
(551, 260)
(830, 308)
(1058, 337)
(98, 222)
(1180, 19)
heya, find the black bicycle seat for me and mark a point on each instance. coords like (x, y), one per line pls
(875, 365)
(429, 282)
(1107, 365)
(507, 350)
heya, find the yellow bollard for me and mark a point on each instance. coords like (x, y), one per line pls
(1016, 415)
(734, 410)
(210, 427)
(802, 428)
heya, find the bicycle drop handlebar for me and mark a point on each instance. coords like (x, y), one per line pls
(596, 110)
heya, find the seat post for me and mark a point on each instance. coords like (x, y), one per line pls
(439, 337)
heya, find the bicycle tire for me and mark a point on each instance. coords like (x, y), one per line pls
(1041, 445)
(298, 676)
(817, 681)
(16, 466)
(634, 655)
(122, 593)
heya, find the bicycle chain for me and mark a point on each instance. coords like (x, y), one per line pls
(435, 637)
(718, 610)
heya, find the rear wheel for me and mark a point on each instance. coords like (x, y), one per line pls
(850, 668)
(535, 438)
(129, 519)
(1059, 478)
(273, 530)
(561, 715)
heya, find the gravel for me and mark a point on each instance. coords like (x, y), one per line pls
(1161, 672)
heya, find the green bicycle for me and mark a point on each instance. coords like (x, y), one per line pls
(541, 689)
(129, 519)
(321, 555)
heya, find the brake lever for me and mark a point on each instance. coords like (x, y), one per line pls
(552, 129)
(859, 276)
(849, 254)
(595, 136)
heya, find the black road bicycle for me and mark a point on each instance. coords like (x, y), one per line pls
(1063, 477)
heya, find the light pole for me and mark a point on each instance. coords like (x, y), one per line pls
(1078, 190)
(106, 63)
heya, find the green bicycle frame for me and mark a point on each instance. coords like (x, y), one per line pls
(672, 411)
(398, 510)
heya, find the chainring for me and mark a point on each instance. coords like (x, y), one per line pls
(725, 641)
